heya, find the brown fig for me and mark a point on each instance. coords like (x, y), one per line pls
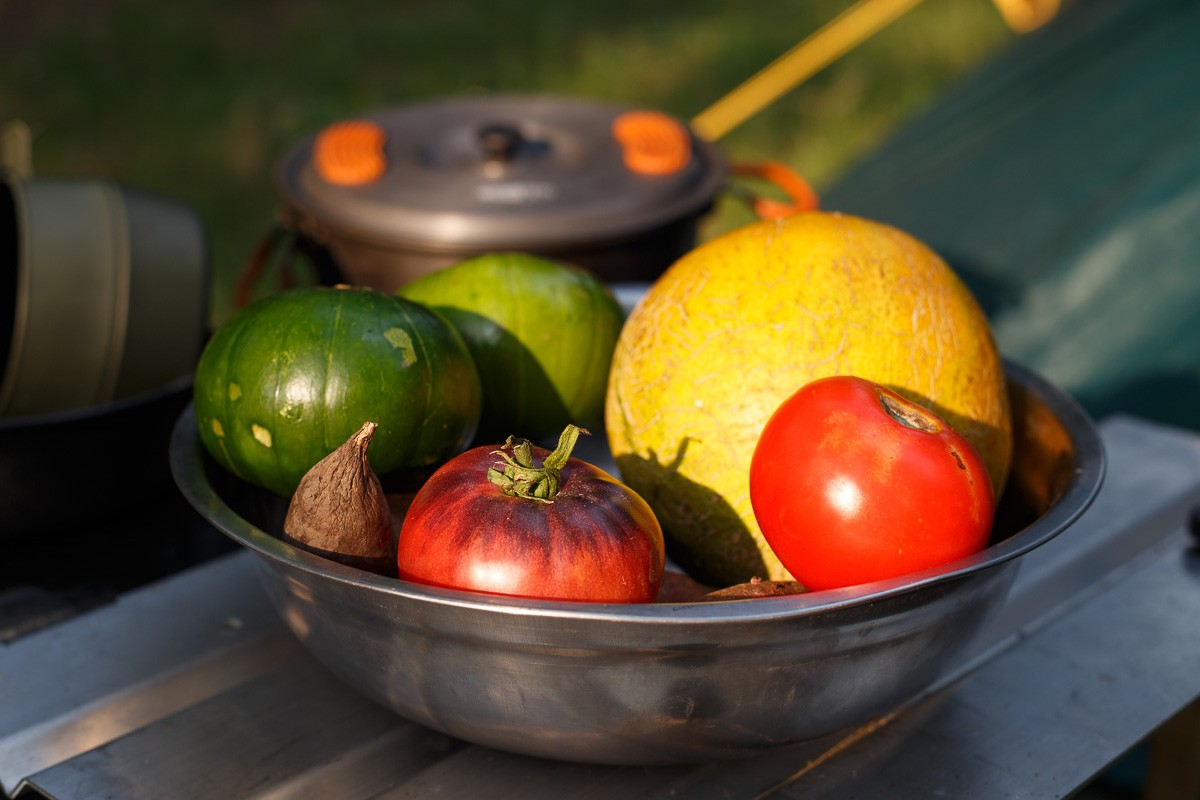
(340, 511)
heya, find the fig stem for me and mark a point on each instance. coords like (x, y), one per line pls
(519, 476)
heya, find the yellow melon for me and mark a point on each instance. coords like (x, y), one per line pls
(744, 320)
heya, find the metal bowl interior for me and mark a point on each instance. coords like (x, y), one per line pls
(656, 683)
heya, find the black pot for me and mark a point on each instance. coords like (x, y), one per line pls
(396, 194)
(71, 470)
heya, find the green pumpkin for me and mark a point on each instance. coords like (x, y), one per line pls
(287, 379)
(541, 333)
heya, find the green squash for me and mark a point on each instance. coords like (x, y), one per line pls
(541, 333)
(287, 379)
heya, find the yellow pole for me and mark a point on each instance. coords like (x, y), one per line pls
(832, 40)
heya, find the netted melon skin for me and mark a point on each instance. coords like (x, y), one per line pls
(741, 322)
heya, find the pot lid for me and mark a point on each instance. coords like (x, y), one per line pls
(501, 171)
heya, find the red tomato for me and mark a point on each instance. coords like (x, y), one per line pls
(491, 520)
(851, 483)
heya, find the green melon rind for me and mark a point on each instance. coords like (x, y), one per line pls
(541, 332)
(289, 378)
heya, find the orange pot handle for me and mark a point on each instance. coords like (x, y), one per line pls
(256, 266)
(803, 196)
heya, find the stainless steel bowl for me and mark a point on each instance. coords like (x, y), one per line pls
(657, 683)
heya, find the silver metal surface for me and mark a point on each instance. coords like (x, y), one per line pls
(257, 735)
(79, 685)
(1090, 652)
(657, 683)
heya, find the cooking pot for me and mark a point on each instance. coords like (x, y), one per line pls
(103, 288)
(103, 314)
(65, 472)
(385, 198)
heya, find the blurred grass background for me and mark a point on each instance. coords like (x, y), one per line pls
(197, 99)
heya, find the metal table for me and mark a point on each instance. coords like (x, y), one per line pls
(191, 686)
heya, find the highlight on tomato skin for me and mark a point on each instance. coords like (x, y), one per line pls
(851, 483)
(521, 521)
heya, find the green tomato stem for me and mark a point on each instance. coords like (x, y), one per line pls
(520, 477)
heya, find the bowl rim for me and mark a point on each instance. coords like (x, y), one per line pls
(186, 458)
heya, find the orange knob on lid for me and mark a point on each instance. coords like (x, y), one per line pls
(350, 153)
(652, 143)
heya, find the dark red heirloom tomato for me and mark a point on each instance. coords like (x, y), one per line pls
(492, 520)
(851, 483)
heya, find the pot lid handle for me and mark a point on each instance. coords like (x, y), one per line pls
(801, 195)
(652, 143)
(500, 141)
(350, 153)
